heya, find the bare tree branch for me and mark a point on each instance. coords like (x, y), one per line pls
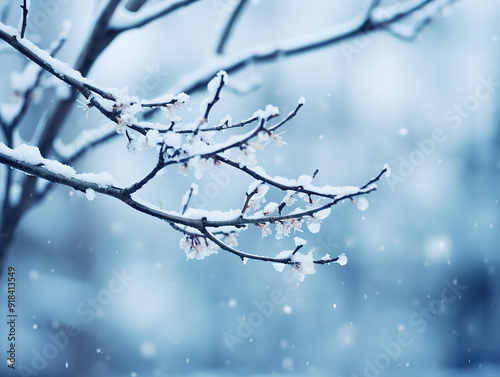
(8, 129)
(84, 143)
(29, 92)
(241, 254)
(187, 199)
(24, 17)
(126, 20)
(138, 185)
(135, 5)
(226, 32)
(363, 24)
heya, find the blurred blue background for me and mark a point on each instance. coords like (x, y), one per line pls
(430, 234)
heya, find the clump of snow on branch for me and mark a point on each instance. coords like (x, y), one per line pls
(387, 170)
(342, 260)
(31, 155)
(299, 241)
(301, 264)
(304, 265)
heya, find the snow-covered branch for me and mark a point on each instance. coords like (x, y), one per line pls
(85, 141)
(52, 65)
(29, 160)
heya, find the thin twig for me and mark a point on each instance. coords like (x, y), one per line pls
(138, 185)
(25, 9)
(220, 149)
(242, 254)
(159, 104)
(225, 126)
(375, 179)
(270, 180)
(297, 248)
(288, 117)
(215, 99)
(29, 92)
(248, 197)
(186, 205)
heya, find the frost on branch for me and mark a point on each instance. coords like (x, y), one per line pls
(303, 265)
